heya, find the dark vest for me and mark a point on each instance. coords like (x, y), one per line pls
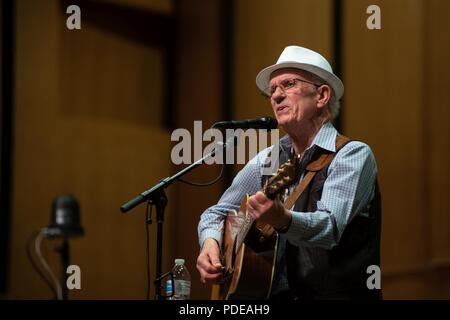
(341, 272)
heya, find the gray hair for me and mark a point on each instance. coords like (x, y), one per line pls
(333, 105)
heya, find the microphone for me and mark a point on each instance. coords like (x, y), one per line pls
(260, 123)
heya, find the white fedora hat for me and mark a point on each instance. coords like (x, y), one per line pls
(304, 59)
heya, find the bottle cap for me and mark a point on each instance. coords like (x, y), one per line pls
(179, 261)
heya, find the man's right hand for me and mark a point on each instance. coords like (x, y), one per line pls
(208, 262)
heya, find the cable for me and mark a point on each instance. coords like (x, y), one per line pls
(196, 184)
(37, 248)
(233, 140)
(35, 266)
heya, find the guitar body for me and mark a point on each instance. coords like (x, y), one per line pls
(249, 271)
(249, 248)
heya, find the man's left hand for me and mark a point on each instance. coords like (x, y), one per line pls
(261, 208)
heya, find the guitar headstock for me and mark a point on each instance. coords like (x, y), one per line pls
(282, 179)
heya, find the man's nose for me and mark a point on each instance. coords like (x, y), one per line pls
(278, 95)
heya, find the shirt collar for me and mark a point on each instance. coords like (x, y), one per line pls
(325, 139)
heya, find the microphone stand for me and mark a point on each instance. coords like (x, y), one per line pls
(157, 196)
(64, 254)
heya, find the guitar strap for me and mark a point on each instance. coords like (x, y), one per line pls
(312, 168)
(324, 159)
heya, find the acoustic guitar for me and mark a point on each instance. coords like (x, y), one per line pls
(250, 248)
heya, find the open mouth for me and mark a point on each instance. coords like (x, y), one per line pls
(281, 108)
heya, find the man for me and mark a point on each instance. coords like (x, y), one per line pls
(329, 238)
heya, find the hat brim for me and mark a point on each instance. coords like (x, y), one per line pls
(263, 77)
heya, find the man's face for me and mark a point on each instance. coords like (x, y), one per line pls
(296, 104)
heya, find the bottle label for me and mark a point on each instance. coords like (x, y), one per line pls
(182, 287)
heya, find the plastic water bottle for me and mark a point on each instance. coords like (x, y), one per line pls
(181, 280)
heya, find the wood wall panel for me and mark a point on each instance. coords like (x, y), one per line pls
(262, 30)
(134, 73)
(79, 132)
(396, 100)
(383, 74)
(198, 97)
(436, 115)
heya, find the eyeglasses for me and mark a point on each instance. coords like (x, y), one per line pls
(286, 85)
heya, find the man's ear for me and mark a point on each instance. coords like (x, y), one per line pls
(324, 92)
